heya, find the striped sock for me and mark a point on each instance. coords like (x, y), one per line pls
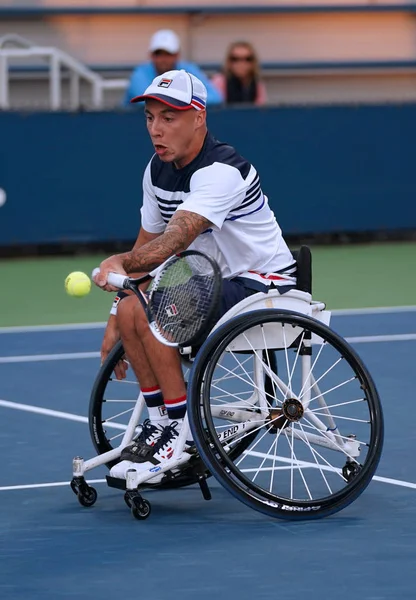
(176, 408)
(155, 405)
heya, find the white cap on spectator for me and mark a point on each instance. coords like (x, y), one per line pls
(165, 39)
(177, 89)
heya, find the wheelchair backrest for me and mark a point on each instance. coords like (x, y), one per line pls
(303, 258)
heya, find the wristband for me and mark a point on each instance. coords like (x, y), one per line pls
(117, 299)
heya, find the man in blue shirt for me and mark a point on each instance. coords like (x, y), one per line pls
(164, 51)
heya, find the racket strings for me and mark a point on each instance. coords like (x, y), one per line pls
(182, 299)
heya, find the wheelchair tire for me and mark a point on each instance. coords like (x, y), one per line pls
(98, 423)
(306, 483)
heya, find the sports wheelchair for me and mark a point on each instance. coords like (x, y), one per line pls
(282, 410)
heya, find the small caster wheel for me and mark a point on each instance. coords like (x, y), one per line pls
(350, 470)
(87, 497)
(74, 487)
(140, 509)
(127, 499)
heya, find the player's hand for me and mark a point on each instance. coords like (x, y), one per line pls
(110, 265)
(111, 337)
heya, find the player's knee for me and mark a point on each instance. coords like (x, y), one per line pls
(140, 319)
(130, 315)
(125, 312)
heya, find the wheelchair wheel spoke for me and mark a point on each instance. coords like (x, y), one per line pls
(314, 364)
(274, 446)
(114, 437)
(124, 381)
(352, 419)
(327, 392)
(303, 391)
(230, 372)
(260, 468)
(120, 401)
(125, 412)
(322, 467)
(315, 454)
(260, 439)
(235, 375)
(288, 370)
(295, 462)
(339, 404)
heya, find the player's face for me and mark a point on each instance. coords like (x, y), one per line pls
(174, 133)
(163, 61)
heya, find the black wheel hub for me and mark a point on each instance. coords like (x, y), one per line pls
(292, 409)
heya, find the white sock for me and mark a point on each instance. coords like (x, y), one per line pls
(155, 406)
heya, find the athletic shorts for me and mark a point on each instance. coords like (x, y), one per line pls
(233, 291)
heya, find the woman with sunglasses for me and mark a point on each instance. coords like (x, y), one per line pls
(240, 82)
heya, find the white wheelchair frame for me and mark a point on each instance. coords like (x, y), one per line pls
(293, 301)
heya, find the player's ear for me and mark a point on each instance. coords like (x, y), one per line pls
(200, 118)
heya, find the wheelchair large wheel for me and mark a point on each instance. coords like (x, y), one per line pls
(319, 429)
(112, 403)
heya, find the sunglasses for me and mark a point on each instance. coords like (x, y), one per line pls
(161, 53)
(249, 58)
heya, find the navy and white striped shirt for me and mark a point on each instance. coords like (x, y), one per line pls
(224, 187)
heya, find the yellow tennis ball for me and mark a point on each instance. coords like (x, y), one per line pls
(77, 284)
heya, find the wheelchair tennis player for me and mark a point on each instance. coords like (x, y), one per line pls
(198, 193)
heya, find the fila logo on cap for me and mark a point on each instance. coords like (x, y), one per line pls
(165, 83)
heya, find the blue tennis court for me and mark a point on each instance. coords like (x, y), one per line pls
(51, 547)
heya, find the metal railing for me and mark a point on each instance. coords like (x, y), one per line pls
(56, 60)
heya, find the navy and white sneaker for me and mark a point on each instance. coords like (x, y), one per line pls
(143, 444)
(161, 453)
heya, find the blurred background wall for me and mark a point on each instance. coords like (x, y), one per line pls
(334, 144)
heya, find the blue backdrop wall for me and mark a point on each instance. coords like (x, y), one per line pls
(77, 177)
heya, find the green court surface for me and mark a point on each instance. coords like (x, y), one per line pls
(352, 276)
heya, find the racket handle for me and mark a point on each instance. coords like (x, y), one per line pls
(114, 279)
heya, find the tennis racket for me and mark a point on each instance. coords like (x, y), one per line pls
(183, 299)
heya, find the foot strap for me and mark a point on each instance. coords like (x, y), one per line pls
(138, 453)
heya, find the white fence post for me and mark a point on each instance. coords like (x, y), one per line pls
(74, 90)
(4, 83)
(97, 94)
(55, 82)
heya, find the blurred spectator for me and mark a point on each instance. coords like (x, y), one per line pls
(240, 80)
(164, 51)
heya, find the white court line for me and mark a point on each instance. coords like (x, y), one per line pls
(43, 357)
(8, 488)
(346, 312)
(341, 312)
(364, 339)
(32, 486)
(394, 337)
(54, 413)
(41, 328)
(399, 482)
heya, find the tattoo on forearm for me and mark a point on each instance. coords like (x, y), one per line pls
(180, 232)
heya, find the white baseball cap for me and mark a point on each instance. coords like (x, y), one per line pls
(177, 89)
(165, 39)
